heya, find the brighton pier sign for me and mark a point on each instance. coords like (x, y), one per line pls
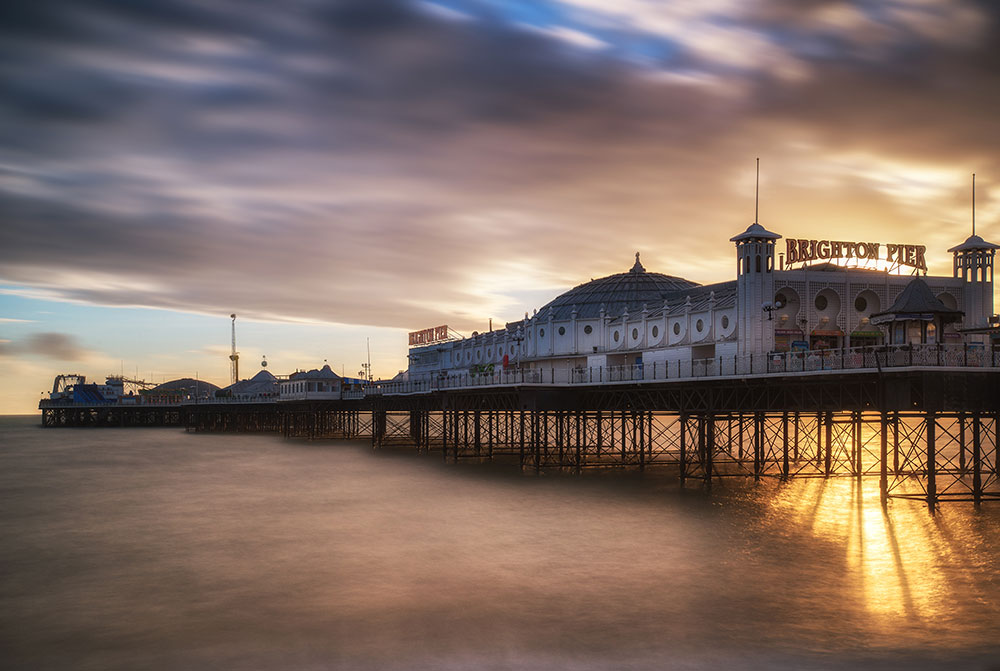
(801, 251)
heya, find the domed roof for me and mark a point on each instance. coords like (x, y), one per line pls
(184, 384)
(616, 293)
(973, 242)
(755, 232)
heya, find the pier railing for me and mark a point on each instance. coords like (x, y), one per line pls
(744, 365)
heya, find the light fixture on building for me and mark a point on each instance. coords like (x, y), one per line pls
(770, 308)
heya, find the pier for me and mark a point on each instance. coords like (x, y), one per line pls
(926, 431)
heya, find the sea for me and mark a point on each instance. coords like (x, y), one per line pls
(160, 549)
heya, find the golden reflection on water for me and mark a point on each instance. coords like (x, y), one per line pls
(900, 562)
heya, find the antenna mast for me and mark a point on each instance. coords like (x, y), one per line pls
(973, 203)
(756, 192)
(234, 358)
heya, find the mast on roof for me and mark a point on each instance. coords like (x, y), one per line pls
(234, 357)
(756, 193)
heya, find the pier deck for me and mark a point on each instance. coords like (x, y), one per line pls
(926, 432)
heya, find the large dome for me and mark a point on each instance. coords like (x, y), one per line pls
(616, 293)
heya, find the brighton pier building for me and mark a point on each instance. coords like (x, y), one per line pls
(820, 295)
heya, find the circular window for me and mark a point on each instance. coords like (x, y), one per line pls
(780, 298)
(541, 333)
(588, 329)
(860, 304)
(699, 325)
(616, 336)
(635, 334)
(677, 328)
(725, 321)
(821, 302)
(562, 330)
(656, 331)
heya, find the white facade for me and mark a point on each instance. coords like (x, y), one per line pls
(313, 385)
(643, 318)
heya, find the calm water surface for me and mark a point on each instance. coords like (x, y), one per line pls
(157, 549)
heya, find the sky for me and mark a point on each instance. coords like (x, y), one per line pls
(338, 173)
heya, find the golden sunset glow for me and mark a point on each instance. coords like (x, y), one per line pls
(381, 167)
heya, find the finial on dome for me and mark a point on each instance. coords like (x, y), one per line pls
(637, 268)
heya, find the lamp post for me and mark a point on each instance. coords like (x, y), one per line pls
(770, 308)
(518, 338)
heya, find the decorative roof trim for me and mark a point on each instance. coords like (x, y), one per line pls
(973, 242)
(755, 232)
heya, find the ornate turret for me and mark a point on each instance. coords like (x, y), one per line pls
(755, 284)
(974, 264)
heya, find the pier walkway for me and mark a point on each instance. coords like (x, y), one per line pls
(924, 421)
(860, 359)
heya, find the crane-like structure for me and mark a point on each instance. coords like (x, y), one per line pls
(234, 358)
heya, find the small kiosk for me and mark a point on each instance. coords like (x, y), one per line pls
(917, 317)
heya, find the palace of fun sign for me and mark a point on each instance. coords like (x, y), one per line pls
(800, 251)
(428, 336)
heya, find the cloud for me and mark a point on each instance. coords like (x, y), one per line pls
(58, 346)
(396, 164)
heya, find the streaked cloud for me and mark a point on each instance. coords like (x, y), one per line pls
(57, 346)
(403, 164)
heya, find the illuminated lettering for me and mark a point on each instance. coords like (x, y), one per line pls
(802, 251)
(429, 336)
(891, 251)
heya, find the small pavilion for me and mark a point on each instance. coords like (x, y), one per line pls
(917, 317)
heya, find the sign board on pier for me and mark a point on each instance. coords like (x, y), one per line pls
(429, 336)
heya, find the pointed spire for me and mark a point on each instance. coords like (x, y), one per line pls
(637, 268)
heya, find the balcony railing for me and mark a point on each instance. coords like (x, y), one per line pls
(744, 365)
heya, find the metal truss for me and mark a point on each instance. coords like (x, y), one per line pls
(943, 457)
(927, 435)
(111, 416)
